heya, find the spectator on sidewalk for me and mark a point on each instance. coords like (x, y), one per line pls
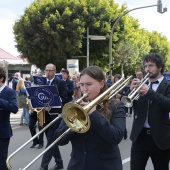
(22, 92)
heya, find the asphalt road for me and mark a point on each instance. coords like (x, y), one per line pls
(21, 134)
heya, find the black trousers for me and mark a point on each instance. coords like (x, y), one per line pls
(4, 143)
(32, 122)
(144, 148)
(54, 151)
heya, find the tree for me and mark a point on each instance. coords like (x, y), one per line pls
(131, 45)
(55, 30)
(159, 44)
(49, 31)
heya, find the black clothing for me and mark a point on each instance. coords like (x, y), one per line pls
(54, 151)
(70, 89)
(14, 82)
(32, 126)
(155, 142)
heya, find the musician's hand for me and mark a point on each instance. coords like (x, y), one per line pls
(143, 90)
(135, 83)
(83, 103)
(86, 103)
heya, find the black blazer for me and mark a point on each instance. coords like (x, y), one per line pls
(97, 149)
(70, 89)
(159, 115)
(62, 92)
(8, 104)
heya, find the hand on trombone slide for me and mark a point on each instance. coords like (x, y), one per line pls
(86, 103)
(142, 90)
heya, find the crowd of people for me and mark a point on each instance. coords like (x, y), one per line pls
(97, 148)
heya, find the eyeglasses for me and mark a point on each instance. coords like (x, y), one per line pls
(149, 65)
(48, 70)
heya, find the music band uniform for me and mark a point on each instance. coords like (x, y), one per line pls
(32, 127)
(69, 84)
(33, 119)
(8, 105)
(54, 151)
(152, 139)
(96, 149)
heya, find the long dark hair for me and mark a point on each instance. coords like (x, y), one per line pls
(96, 73)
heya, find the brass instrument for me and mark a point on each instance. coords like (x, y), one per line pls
(134, 95)
(76, 118)
(40, 114)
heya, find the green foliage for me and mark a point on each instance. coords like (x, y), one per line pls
(159, 44)
(52, 31)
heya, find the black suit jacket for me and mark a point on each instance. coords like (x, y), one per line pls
(8, 104)
(70, 89)
(62, 92)
(97, 149)
(159, 115)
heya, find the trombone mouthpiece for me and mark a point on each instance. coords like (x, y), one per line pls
(84, 96)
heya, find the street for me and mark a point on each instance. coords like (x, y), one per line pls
(21, 134)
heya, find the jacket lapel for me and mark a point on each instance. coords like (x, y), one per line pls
(3, 91)
(162, 85)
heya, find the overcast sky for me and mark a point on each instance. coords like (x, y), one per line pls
(148, 18)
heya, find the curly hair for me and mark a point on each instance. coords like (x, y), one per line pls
(155, 58)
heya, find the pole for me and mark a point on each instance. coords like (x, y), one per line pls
(87, 46)
(110, 37)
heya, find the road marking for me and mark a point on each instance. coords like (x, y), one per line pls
(125, 160)
(16, 127)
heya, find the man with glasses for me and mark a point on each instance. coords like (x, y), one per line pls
(150, 133)
(50, 71)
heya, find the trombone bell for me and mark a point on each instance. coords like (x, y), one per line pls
(76, 117)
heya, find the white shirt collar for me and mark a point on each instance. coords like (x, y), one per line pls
(50, 80)
(1, 88)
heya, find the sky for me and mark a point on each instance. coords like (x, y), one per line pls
(149, 19)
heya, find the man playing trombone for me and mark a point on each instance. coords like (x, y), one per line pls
(150, 133)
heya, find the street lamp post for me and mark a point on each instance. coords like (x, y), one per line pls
(159, 9)
(92, 37)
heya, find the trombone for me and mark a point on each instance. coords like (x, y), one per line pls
(134, 95)
(75, 117)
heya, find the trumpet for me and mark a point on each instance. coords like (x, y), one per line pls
(75, 116)
(134, 95)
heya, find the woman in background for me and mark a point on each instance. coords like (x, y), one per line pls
(22, 91)
(98, 147)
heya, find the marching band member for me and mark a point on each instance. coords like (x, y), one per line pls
(97, 149)
(69, 84)
(151, 127)
(50, 71)
(33, 119)
(8, 104)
